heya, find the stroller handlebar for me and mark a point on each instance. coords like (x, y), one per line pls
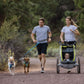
(67, 43)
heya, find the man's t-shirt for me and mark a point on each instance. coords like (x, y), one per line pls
(69, 35)
(41, 33)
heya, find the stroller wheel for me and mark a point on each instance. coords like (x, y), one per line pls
(57, 67)
(78, 67)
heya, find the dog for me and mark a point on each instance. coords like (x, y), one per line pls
(26, 64)
(11, 65)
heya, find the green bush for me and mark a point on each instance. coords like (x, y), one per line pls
(53, 52)
(3, 61)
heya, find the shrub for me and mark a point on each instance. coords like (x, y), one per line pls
(3, 60)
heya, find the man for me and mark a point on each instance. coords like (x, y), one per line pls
(43, 36)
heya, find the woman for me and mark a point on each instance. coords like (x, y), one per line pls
(69, 31)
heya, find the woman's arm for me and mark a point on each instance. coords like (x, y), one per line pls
(61, 37)
(75, 32)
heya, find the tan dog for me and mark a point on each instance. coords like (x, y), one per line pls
(26, 64)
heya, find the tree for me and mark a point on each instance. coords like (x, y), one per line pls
(80, 13)
(8, 30)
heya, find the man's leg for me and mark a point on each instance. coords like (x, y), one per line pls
(43, 60)
(43, 52)
(40, 58)
(39, 53)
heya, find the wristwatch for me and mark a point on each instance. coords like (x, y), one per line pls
(49, 37)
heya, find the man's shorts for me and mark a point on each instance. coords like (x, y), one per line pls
(42, 48)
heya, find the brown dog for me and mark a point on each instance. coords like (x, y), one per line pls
(26, 64)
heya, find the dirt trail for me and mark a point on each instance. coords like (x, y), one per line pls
(49, 77)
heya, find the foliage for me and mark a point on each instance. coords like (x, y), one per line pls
(8, 30)
(18, 17)
(80, 13)
(3, 60)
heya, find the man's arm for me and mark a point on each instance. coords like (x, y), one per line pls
(33, 37)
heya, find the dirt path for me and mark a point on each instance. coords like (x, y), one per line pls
(49, 77)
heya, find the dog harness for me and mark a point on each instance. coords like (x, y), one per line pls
(11, 64)
(26, 64)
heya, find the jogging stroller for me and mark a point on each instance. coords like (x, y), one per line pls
(70, 48)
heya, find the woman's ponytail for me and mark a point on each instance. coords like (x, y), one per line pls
(72, 21)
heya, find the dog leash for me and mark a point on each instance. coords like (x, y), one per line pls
(31, 49)
(34, 46)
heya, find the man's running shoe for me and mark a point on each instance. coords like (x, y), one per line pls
(42, 71)
(68, 72)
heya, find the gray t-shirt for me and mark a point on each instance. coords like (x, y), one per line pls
(69, 35)
(41, 33)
